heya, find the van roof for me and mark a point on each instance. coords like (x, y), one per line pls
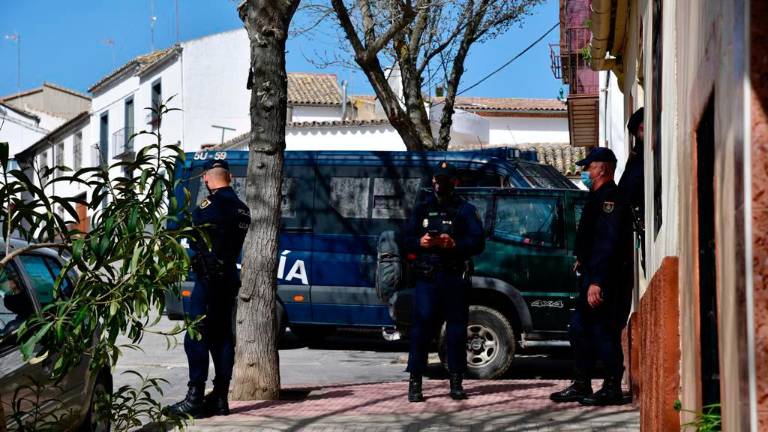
(521, 167)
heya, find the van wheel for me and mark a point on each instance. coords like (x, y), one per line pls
(490, 343)
(97, 418)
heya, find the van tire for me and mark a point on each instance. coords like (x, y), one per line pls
(493, 338)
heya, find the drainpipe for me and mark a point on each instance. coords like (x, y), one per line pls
(344, 100)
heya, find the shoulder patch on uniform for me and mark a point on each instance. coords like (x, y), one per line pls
(205, 203)
(608, 206)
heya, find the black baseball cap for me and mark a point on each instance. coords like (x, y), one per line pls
(444, 169)
(215, 163)
(598, 154)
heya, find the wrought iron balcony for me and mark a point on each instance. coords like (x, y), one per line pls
(122, 144)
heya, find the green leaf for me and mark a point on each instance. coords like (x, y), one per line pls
(28, 347)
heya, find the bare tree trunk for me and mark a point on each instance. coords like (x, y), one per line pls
(257, 370)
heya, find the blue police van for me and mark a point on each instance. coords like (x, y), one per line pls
(335, 205)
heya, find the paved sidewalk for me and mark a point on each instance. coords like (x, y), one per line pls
(512, 405)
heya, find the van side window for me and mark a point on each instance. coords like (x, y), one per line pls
(481, 204)
(527, 220)
(391, 197)
(349, 196)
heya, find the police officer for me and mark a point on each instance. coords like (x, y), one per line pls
(631, 186)
(444, 233)
(225, 219)
(604, 261)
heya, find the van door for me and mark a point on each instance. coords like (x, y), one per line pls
(527, 248)
(296, 240)
(353, 206)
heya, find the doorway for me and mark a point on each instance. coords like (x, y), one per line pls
(705, 177)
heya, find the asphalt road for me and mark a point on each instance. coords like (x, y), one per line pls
(348, 357)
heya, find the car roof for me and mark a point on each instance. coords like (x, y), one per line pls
(19, 244)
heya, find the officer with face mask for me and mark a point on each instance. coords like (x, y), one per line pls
(604, 261)
(225, 219)
(444, 233)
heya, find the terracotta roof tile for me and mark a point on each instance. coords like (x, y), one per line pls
(313, 89)
(507, 104)
(339, 123)
(561, 156)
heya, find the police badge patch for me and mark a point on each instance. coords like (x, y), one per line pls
(608, 206)
(205, 203)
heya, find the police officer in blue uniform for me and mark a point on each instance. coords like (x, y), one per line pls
(225, 219)
(444, 232)
(604, 261)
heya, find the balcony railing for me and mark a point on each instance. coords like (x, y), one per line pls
(122, 143)
(569, 62)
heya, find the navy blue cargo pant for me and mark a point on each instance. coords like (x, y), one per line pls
(441, 297)
(595, 334)
(216, 331)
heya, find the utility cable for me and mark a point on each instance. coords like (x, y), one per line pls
(500, 68)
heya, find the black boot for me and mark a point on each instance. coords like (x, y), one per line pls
(610, 394)
(457, 391)
(215, 403)
(414, 389)
(579, 389)
(192, 405)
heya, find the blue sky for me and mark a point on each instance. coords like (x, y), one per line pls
(64, 43)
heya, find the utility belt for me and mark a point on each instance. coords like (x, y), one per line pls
(208, 267)
(427, 269)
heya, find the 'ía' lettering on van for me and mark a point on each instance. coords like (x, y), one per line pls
(297, 271)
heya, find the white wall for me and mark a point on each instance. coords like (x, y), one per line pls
(527, 130)
(372, 138)
(66, 189)
(113, 100)
(315, 113)
(613, 131)
(18, 131)
(215, 72)
(47, 121)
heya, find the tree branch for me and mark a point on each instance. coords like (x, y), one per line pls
(7, 258)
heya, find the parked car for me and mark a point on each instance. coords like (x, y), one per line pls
(335, 205)
(28, 395)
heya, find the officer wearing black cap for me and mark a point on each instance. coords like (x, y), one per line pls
(604, 261)
(225, 219)
(444, 233)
